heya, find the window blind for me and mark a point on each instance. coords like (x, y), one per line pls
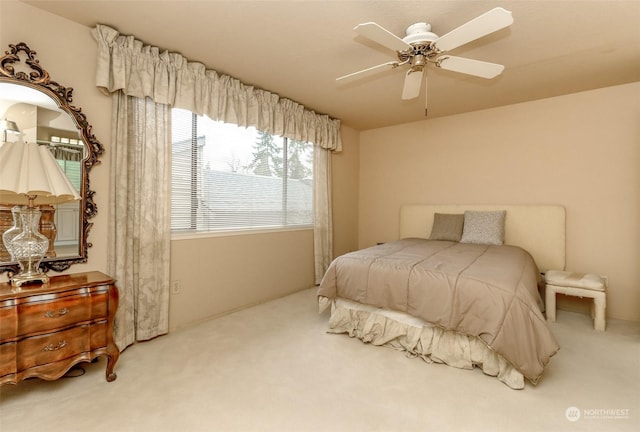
(227, 177)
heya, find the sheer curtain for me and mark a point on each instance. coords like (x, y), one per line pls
(140, 217)
(323, 223)
(126, 65)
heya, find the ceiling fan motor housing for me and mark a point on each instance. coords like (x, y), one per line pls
(419, 33)
(420, 37)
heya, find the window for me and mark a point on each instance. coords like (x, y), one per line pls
(72, 170)
(227, 177)
(69, 156)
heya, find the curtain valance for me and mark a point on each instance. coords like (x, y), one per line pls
(139, 70)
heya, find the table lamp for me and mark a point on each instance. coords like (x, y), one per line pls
(30, 176)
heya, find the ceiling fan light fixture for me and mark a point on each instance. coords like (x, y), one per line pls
(418, 62)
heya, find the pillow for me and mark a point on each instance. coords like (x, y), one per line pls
(483, 227)
(447, 227)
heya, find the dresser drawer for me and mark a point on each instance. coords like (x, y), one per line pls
(50, 348)
(8, 319)
(7, 358)
(46, 315)
(16, 357)
(39, 350)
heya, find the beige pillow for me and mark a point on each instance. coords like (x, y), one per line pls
(447, 227)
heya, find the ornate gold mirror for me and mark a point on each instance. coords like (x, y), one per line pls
(34, 108)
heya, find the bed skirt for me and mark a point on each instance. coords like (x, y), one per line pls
(418, 339)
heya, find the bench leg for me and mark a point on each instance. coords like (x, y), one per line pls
(600, 304)
(550, 303)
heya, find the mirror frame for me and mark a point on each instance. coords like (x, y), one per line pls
(38, 78)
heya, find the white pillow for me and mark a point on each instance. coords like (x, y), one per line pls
(483, 227)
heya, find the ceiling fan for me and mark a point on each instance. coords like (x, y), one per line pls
(421, 47)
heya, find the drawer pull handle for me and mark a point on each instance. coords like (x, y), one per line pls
(56, 314)
(52, 347)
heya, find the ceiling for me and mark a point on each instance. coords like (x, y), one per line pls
(296, 49)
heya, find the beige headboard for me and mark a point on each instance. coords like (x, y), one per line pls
(540, 229)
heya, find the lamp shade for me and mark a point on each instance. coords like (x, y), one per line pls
(28, 169)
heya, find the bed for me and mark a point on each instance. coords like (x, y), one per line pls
(461, 286)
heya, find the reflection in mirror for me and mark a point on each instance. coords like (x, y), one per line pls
(33, 108)
(37, 118)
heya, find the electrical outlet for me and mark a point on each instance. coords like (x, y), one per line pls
(175, 287)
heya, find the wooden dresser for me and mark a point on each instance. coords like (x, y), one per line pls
(46, 329)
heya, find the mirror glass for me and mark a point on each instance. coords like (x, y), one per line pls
(41, 111)
(39, 119)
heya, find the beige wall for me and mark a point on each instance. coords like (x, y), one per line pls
(217, 274)
(345, 168)
(221, 274)
(581, 151)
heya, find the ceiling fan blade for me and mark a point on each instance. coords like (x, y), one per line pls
(412, 84)
(489, 22)
(470, 67)
(366, 72)
(382, 36)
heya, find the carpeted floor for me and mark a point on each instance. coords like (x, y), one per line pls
(273, 368)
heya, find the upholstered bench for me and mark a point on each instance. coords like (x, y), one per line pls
(580, 285)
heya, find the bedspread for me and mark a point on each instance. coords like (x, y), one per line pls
(490, 292)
